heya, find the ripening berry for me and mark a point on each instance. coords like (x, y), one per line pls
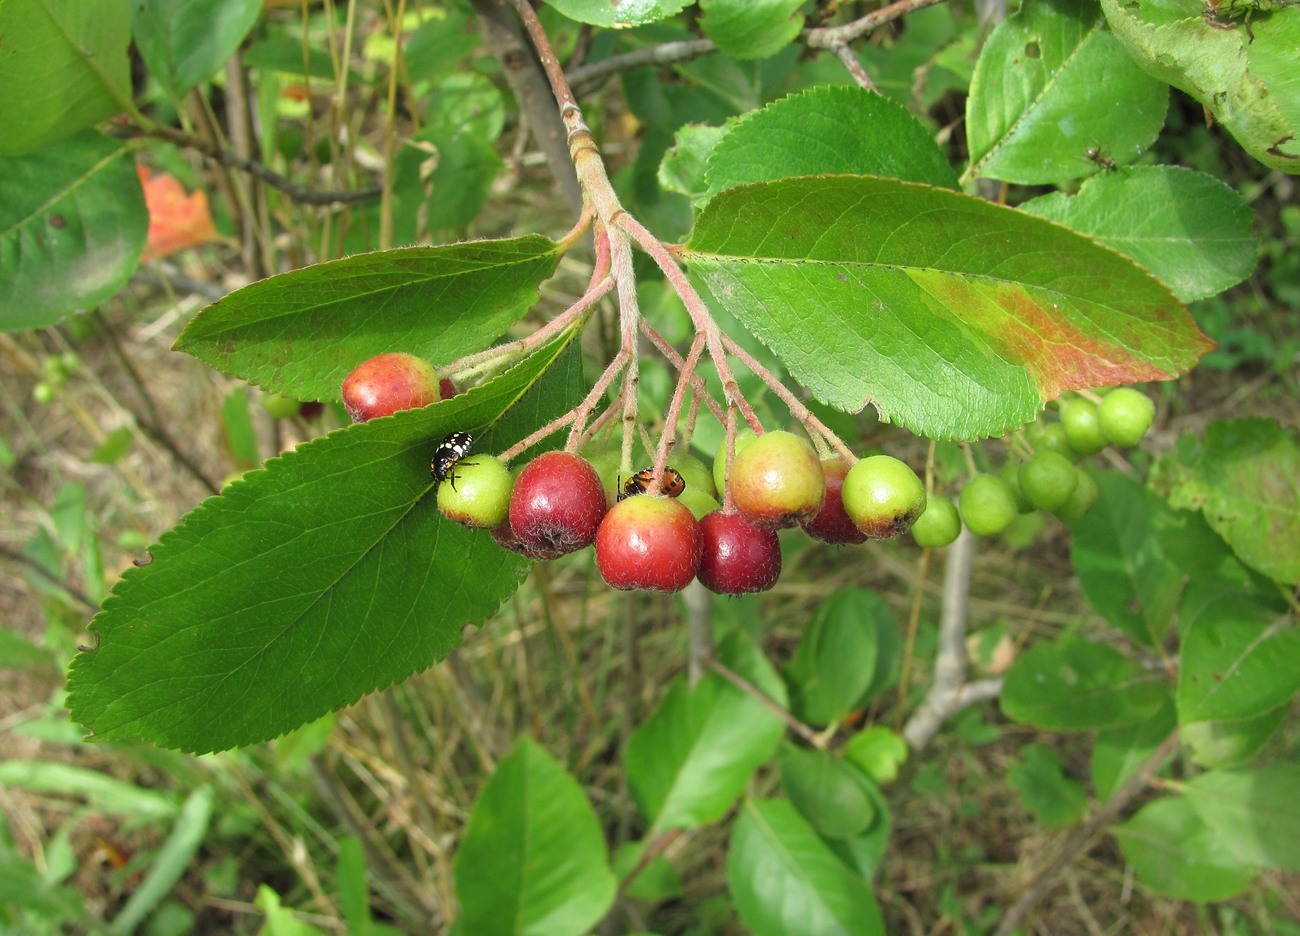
(648, 542)
(777, 480)
(388, 383)
(883, 496)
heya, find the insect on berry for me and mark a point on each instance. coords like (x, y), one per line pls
(450, 451)
(671, 485)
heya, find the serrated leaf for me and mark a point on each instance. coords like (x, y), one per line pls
(751, 29)
(1175, 854)
(72, 227)
(787, 882)
(1077, 685)
(691, 759)
(1050, 84)
(1254, 813)
(324, 576)
(1245, 478)
(1245, 77)
(64, 69)
(184, 41)
(955, 317)
(533, 860)
(619, 13)
(301, 333)
(684, 166)
(832, 130)
(1186, 228)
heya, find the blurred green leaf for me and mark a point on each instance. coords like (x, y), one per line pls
(657, 881)
(864, 853)
(751, 29)
(1045, 790)
(1177, 855)
(280, 53)
(1231, 743)
(827, 791)
(1118, 753)
(353, 885)
(684, 167)
(98, 789)
(19, 653)
(1050, 84)
(877, 291)
(604, 13)
(1255, 814)
(280, 920)
(533, 859)
(787, 882)
(170, 864)
(184, 41)
(115, 445)
(237, 423)
(1186, 228)
(878, 752)
(64, 69)
(22, 887)
(72, 228)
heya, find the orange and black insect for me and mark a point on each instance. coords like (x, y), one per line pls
(671, 485)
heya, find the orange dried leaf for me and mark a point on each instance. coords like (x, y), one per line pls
(176, 220)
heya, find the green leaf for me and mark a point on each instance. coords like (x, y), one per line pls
(237, 424)
(1254, 813)
(692, 758)
(533, 860)
(72, 228)
(23, 887)
(864, 853)
(1245, 477)
(787, 882)
(850, 648)
(955, 317)
(604, 13)
(830, 130)
(353, 885)
(1120, 563)
(443, 180)
(326, 575)
(301, 333)
(1045, 790)
(1175, 854)
(64, 69)
(827, 791)
(1231, 743)
(1045, 91)
(170, 864)
(684, 166)
(104, 793)
(1237, 659)
(184, 41)
(1186, 228)
(289, 56)
(751, 29)
(1118, 753)
(280, 920)
(1077, 685)
(877, 752)
(116, 444)
(19, 653)
(1244, 77)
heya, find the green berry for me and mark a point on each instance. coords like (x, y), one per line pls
(1047, 480)
(882, 496)
(1084, 496)
(280, 407)
(938, 524)
(1125, 415)
(476, 492)
(1082, 426)
(988, 505)
(694, 472)
(1051, 437)
(743, 438)
(1010, 473)
(698, 502)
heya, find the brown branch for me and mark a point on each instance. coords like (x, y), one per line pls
(747, 687)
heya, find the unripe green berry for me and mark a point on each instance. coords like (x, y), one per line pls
(476, 492)
(1051, 437)
(882, 496)
(1125, 415)
(280, 407)
(938, 525)
(1010, 473)
(1082, 427)
(1047, 480)
(988, 505)
(743, 438)
(698, 502)
(1081, 500)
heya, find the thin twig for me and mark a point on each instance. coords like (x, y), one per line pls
(72, 591)
(743, 684)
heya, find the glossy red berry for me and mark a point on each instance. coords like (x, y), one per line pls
(557, 504)
(777, 480)
(738, 557)
(832, 524)
(648, 543)
(388, 383)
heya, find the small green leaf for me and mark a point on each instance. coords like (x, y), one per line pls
(326, 575)
(787, 882)
(184, 41)
(955, 317)
(102, 792)
(72, 228)
(1242, 71)
(280, 920)
(64, 69)
(618, 15)
(683, 167)
(116, 444)
(288, 55)
(1176, 854)
(1045, 91)
(237, 423)
(1254, 813)
(864, 853)
(830, 130)
(692, 758)
(353, 885)
(533, 860)
(1045, 790)
(1119, 753)
(850, 648)
(1245, 477)
(1186, 228)
(300, 333)
(751, 29)
(1077, 685)
(827, 791)
(23, 887)
(878, 752)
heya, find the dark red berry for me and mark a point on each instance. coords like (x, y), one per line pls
(738, 556)
(557, 504)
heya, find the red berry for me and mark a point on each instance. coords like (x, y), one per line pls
(738, 556)
(387, 383)
(777, 480)
(557, 504)
(648, 543)
(832, 523)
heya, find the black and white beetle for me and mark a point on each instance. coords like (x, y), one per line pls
(450, 451)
